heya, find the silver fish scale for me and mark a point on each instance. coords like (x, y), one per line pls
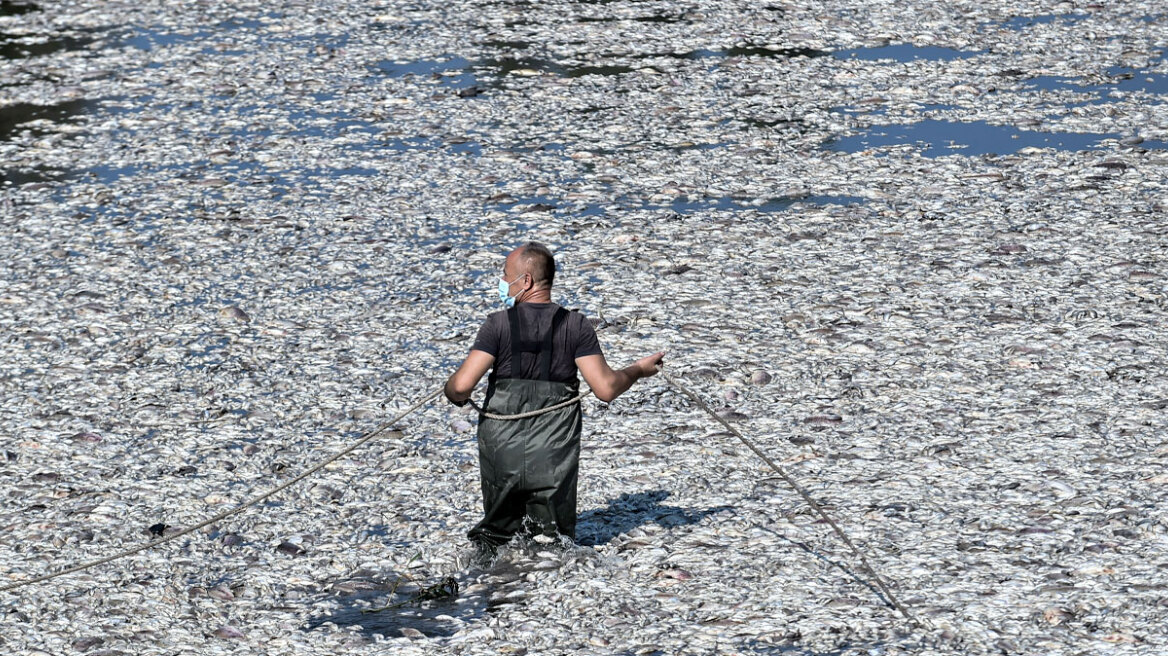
(237, 234)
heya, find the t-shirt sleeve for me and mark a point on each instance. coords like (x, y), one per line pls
(488, 338)
(586, 342)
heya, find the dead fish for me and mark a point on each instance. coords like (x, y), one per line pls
(228, 632)
(675, 573)
(759, 377)
(290, 548)
(1009, 249)
(221, 592)
(823, 420)
(234, 313)
(85, 644)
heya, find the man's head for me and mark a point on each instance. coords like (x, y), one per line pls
(529, 272)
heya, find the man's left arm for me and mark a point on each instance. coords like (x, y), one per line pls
(462, 382)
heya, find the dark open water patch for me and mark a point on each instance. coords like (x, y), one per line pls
(936, 138)
(763, 205)
(906, 52)
(682, 205)
(148, 39)
(1019, 23)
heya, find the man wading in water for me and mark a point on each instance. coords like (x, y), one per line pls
(529, 466)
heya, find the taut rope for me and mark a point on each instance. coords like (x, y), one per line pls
(803, 493)
(237, 509)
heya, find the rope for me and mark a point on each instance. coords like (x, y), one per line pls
(283, 486)
(530, 413)
(803, 493)
(237, 509)
(426, 399)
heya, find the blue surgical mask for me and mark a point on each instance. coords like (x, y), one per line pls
(504, 287)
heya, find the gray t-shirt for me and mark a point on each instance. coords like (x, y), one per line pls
(574, 338)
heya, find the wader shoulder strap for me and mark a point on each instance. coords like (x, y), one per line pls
(545, 356)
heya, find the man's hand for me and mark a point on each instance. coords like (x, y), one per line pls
(648, 365)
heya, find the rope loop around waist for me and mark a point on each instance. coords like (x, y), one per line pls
(531, 413)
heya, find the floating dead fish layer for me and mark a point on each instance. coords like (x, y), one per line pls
(236, 235)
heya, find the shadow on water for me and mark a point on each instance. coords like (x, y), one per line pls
(628, 511)
(936, 138)
(364, 604)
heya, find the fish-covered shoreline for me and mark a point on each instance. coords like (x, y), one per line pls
(916, 252)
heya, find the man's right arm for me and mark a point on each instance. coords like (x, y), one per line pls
(608, 383)
(462, 382)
